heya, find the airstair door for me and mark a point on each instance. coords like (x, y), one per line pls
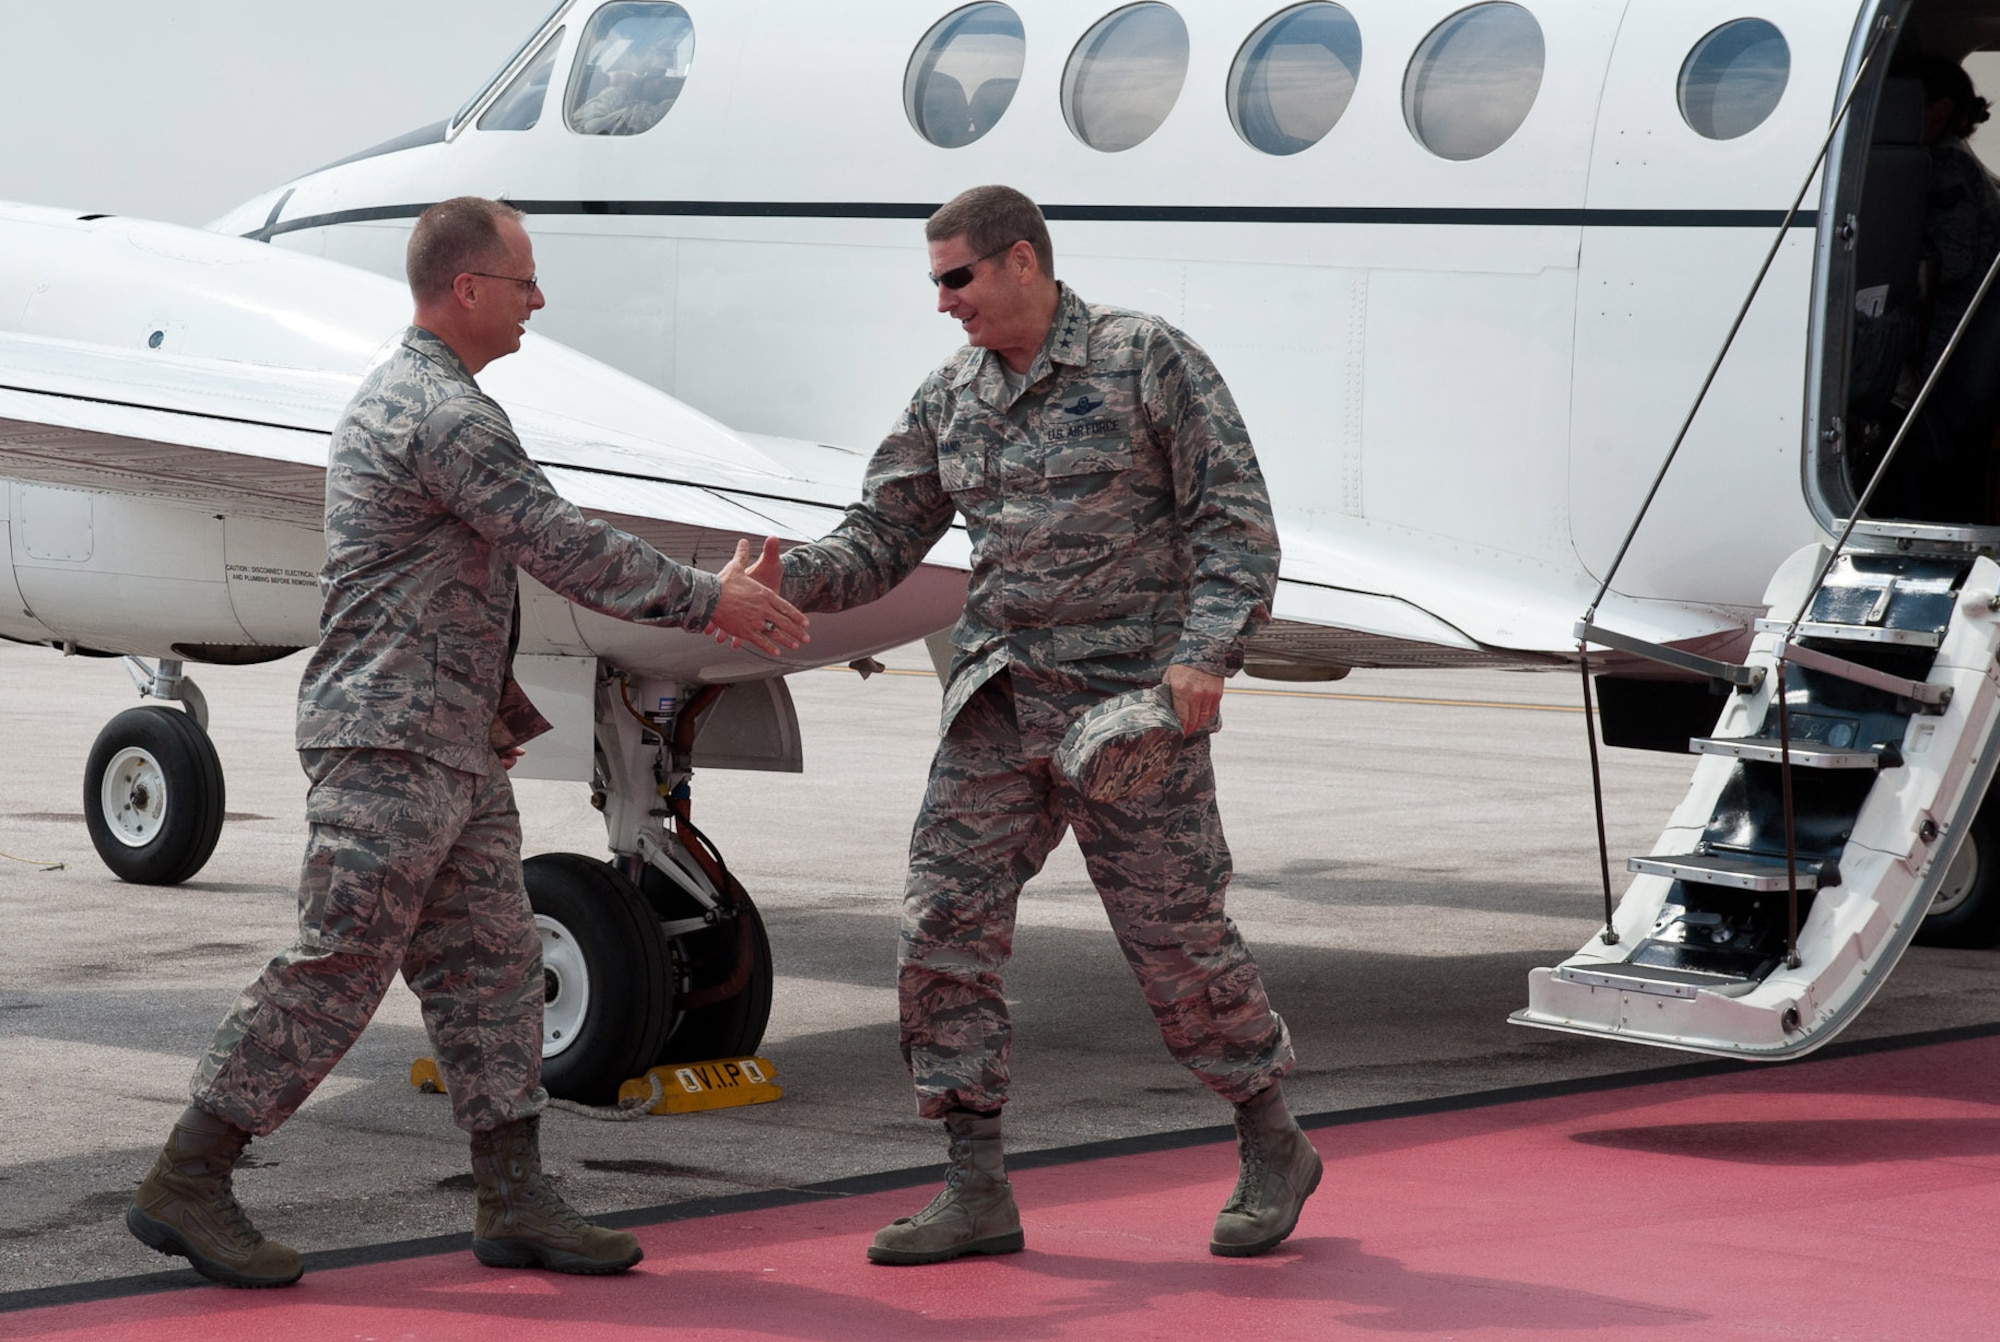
(1824, 812)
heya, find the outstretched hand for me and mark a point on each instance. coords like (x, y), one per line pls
(750, 609)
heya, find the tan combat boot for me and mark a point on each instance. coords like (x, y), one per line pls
(975, 1212)
(522, 1222)
(185, 1207)
(1279, 1171)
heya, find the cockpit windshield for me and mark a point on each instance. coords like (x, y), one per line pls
(520, 107)
(486, 86)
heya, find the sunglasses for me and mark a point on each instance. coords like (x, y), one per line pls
(960, 276)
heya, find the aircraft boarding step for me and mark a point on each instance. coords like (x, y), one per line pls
(1856, 633)
(1736, 871)
(1655, 979)
(1804, 754)
(1892, 709)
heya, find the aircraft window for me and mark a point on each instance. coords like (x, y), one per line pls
(630, 66)
(1292, 79)
(1125, 76)
(1734, 78)
(520, 107)
(1473, 80)
(458, 117)
(964, 74)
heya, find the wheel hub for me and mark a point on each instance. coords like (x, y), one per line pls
(565, 986)
(1960, 879)
(133, 797)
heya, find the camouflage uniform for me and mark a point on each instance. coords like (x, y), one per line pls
(1119, 525)
(1961, 234)
(1943, 471)
(621, 110)
(414, 856)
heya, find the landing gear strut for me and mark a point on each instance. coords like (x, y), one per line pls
(658, 955)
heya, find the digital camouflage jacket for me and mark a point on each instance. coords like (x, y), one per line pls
(430, 505)
(1118, 518)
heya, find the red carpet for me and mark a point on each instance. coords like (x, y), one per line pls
(1853, 1198)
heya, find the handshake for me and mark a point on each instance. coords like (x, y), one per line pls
(750, 609)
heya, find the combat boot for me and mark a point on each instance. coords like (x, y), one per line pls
(1279, 1171)
(185, 1207)
(522, 1222)
(973, 1214)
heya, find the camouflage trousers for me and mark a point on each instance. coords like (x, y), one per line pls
(989, 819)
(412, 866)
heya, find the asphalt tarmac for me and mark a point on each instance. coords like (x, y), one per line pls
(1408, 845)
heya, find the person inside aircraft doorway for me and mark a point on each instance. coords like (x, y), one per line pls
(1950, 458)
(409, 718)
(1123, 549)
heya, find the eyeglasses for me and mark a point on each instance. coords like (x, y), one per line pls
(532, 282)
(960, 276)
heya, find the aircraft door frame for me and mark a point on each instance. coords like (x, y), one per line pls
(1824, 473)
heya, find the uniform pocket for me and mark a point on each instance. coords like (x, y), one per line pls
(1090, 456)
(962, 472)
(362, 857)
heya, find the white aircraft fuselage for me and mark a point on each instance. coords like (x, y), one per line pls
(1467, 268)
(1460, 374)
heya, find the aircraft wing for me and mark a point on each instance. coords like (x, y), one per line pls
(250, 440)
(1355, 594)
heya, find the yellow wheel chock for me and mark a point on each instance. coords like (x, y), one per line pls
(690, 1087)
(677, 1088)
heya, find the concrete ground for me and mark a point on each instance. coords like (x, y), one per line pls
(1408, 845)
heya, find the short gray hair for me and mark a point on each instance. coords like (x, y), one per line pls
(993, 217)
(451, 238)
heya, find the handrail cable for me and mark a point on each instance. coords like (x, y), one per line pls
(1882, 28)
(1609, 936)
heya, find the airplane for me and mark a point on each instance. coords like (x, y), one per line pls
(1469, 269)
(166, 401)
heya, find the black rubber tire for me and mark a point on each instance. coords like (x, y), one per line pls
(1973, 920)
(630, 1002)
(733, 1027)
(188, 773)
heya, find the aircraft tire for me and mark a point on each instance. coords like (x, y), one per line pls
(605, 970)
(734, 1026)
(153, 795)
(1966, 913)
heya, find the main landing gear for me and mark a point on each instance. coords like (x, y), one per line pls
(656, 956)
(1966, 912)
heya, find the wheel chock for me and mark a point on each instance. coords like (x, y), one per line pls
(424, 1075)
(690, 1087)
